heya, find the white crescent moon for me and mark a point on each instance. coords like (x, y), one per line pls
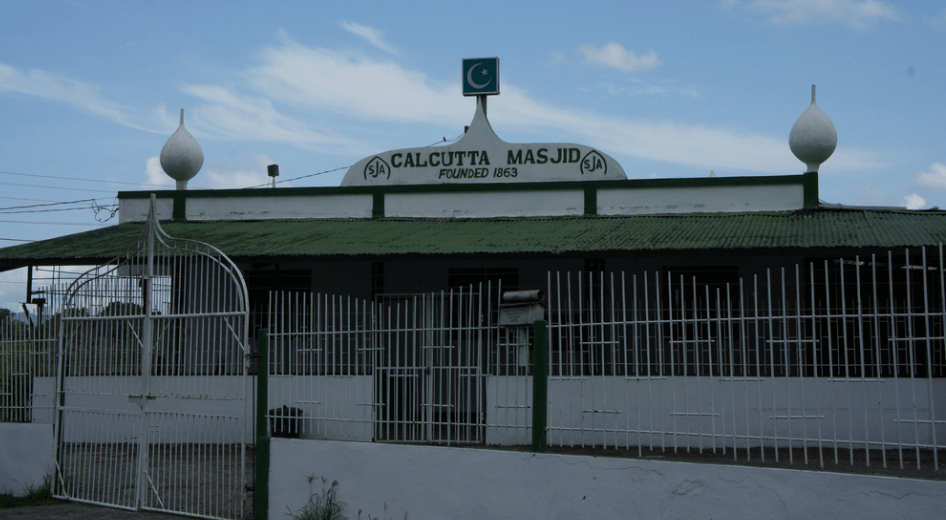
(469, 78)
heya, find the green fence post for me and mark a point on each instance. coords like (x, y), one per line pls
(540, 385)
(261, 487)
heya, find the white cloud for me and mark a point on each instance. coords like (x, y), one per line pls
(80, 95)
(671, 142)
(245, 172)
(557, 57)
(230, 116)
(914, 201)
(935, 178)
(861, 15)
(614, 55)
(316, 83)
(371, 35)
(938, 21)
(640, 87)
(155, 176)
(12, 289)
(224, 114)
(354, 86)
(365, 91)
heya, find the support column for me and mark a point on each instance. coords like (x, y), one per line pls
(540, 385)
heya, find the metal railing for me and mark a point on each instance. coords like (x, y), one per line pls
(832, 359)
(406, 368)
(28, 351)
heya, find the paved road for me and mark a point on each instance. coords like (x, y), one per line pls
(76, 511)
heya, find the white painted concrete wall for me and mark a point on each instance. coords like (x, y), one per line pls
(386, 481)
(136, 210)
(26, 456)
(262, 208)
(213, 419)
(700, 200)
(485, 205)
(708, 411)
(333, 407)
(704, 411)
(614, 201)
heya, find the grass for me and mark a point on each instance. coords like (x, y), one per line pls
(324, 506)
(35, 496)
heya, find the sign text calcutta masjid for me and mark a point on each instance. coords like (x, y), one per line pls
(480, 155)
(475, 164)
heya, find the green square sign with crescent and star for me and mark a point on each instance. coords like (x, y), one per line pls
(480, 76)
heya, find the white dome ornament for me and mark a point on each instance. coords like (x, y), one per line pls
(813, 138)
(181, 157)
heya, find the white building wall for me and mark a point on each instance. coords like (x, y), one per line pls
(418, 482)
(136, 210)
(266, 204)
(485, 205)
(700, 200)
(262, 207)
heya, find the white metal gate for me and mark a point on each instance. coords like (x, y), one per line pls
(429, 380)
(404, 368)
(151, 391)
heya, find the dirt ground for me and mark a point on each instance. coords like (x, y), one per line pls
(77, 511)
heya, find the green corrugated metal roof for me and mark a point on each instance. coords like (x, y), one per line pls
(827, 228)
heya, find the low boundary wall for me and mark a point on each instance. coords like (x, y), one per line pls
(26, 456)
(387, 480)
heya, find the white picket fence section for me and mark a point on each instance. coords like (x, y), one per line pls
(28, 350)
(407, 368)
(822, 363)
(833, 360)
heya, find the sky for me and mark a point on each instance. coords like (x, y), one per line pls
(90, 92)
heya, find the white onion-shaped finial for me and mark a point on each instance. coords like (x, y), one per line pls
(181, 157)
(813, 138)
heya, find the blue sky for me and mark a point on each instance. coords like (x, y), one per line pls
(90, 91)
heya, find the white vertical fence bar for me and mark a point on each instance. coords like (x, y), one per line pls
(847, 354)
(404, 368)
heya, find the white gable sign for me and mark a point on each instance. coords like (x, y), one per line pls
(480, 157)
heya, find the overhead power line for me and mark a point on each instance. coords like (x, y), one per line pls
(297, 178)
(81, 179)
(51, 223)
(20, 212)
(30, 200)
(54, 187)
(50, 203)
